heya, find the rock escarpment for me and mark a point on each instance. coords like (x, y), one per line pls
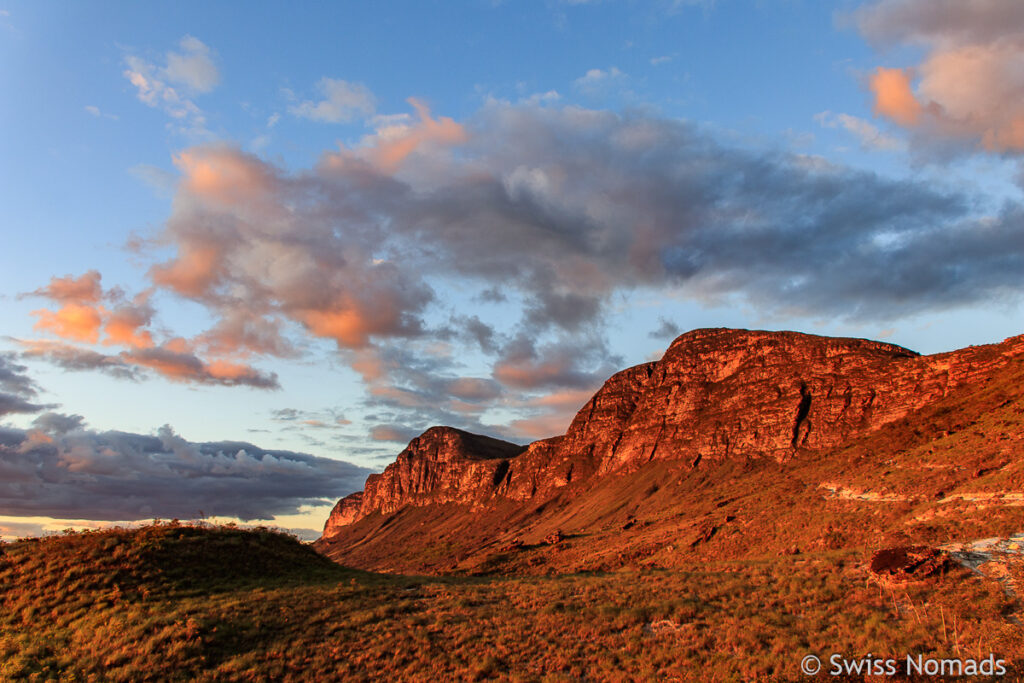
(716, 395)
(442, 465)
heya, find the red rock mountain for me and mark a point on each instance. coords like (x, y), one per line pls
(717, 396)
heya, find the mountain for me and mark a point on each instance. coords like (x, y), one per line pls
(737, 443)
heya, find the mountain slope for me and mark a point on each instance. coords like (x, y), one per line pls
(735, 444)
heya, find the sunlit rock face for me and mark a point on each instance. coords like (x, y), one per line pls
(715, 394)
(442, 465)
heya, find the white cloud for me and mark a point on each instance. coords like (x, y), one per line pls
(172, 86)
(600, 81)
(542, 98)
(869, 135)
(159, 179)
(342, 101)
(658, 61)
(95, 111)
(193, 67)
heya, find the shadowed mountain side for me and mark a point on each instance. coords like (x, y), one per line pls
(736, 443)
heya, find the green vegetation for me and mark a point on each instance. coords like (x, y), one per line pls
(183, 602)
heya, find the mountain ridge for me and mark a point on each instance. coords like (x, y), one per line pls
(717, 396)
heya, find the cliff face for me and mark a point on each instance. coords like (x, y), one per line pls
(442, 465)
(716, 395)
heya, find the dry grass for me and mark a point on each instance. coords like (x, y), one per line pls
(210, 604)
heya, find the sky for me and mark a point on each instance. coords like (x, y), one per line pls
(250, 249)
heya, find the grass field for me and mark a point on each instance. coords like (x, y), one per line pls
(191, 602)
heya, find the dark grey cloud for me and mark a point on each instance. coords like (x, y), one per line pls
(16, 388)
(13, 377)
(10, 404)
(120, 476)
(68, 357)
(579, 204)
(954, 21)
(58, 423)
(665, 330)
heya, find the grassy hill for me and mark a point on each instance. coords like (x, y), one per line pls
(182, 602)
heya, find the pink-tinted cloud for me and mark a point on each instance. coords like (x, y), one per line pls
(175, 363)
(77, 322)
(969, 89)
(125, 324)
(397, 141)
(894, 97)
(85, 289)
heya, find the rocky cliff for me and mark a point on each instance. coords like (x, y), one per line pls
(442, 465)
(716, 395)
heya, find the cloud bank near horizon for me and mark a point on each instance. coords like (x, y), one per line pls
(59, 468)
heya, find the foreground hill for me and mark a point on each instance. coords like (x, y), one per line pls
(736, 444)
(182, 603)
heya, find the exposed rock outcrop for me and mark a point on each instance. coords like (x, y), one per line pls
(442, 465)
(717, 394)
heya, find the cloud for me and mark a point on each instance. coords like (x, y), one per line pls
(193, 67)
(173, 361)
(91, 316)
(184, 366)
(968, 92)
(397, 138)
(523, 365)
(16, 388)
(161, 180)
(173, 85)
(13, 378)
(598, 81)
(78, 322)
(561, 211)
(549, 414)
(395, 433)
(113, 320)
(342, 101)
(93, 110)
(120, 476)
(666, 330)
(58, 423)
(77, 359)
(302, 419)
(85, 289)
(868, 134)
(11, 404)
(12, 530)
(59, 468)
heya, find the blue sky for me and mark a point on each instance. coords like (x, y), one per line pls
(258, 236)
